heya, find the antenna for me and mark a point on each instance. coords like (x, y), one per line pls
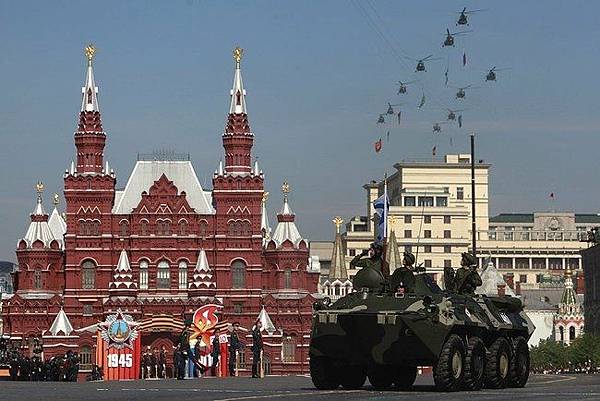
(473, 223)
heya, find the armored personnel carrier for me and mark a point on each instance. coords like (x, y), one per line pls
(385, 329)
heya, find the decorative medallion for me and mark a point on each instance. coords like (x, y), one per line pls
(119, 330)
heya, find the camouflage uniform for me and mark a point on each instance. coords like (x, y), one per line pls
(404, 274)
(467, 278)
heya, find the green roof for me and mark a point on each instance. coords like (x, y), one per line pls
(587, 218)
(512, 218)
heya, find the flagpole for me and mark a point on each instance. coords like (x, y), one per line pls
(386, 210)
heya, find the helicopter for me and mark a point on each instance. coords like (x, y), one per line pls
(381, 119)
(390, 109)
(491, 75)
(450, 37)
(421, 63)
(452, 114)
(402, 88)
(461, 94)
(437, 128)
(462, 19)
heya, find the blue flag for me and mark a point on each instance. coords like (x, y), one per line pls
(382, 208)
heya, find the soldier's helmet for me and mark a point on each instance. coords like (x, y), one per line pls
(468, 259)
(409, 259)
(377, 247)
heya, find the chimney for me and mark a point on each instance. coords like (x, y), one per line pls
(501, 290)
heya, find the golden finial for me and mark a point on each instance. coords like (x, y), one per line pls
(39, 187)
(90, 52)
(338, 221)
(285, 188)
(55, 200)
(392, 221)
(237, 55)
(265, 197)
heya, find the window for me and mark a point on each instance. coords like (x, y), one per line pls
(37, 280)
(183, 275)
(88, 275)
(427, 262)
(427, 234)
(447, 219)
(163, 279)
(539, 278)
(124, 228)
(238, 308)
(571, 333)
(163, 227)
(447, 234)
(555, 263)
(505, 263)
(538, 263)
(407, 219)
(425, 200)
(573, 263)
(407, 234)
(441, 201)
(143, 227)
(352, 252)
(447, 249)
(203, 229)
(427, 248)
(447, 263)
(460, 193)
(287, 279)
(88, 310)
(561, 335)
(522, 263)
(238, 274)
(85, 355)
(409, 201)
(427, 219)
(523, 278)
(288, 349)
(143, 275)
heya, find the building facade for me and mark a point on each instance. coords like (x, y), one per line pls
(163, 245)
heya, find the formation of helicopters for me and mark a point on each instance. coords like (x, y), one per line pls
(454, 114)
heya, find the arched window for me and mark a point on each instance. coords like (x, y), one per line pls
(88, 275)
(143, 227)
(287, 278)
(95, 227)
(163, 227)
(163, 279)
(85, 355)
(561, 331)
(144, 275)
(183, 275)
(203, 231)
(124, 228)
(81, 227)
(238, 274)
(37, 279)
(182, 228)
(571, 333)
(288, 350)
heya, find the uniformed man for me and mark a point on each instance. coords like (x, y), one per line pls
(467, 278)
(162, 363)
(403, 278)
(374, 260)
(234, 347)
(257, 347)
(215, 352)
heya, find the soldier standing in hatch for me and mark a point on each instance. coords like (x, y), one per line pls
(257, 347)
(405, 274)
(467, 278)
(375, 260)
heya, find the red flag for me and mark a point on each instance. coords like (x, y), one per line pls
(464, 58)
(434, 150)
(378, 146)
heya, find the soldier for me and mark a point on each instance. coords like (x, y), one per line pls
(215, 352)
(257, 347)
(404, 276)
(375, 260)
(467, 278)
(154, 362)
(162, 362)
(234, 346)
(180, 358)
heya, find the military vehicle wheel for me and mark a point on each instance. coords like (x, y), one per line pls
(497, 368)
(323, 374)
(405, 377)
(381, 377)
(353, 377)
(519, 367)
(449, 372)
(475, 364)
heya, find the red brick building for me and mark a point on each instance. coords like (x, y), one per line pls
(162, 246)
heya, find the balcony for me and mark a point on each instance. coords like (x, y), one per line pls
(530, 235)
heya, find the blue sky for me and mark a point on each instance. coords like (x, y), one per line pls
(317, 74)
